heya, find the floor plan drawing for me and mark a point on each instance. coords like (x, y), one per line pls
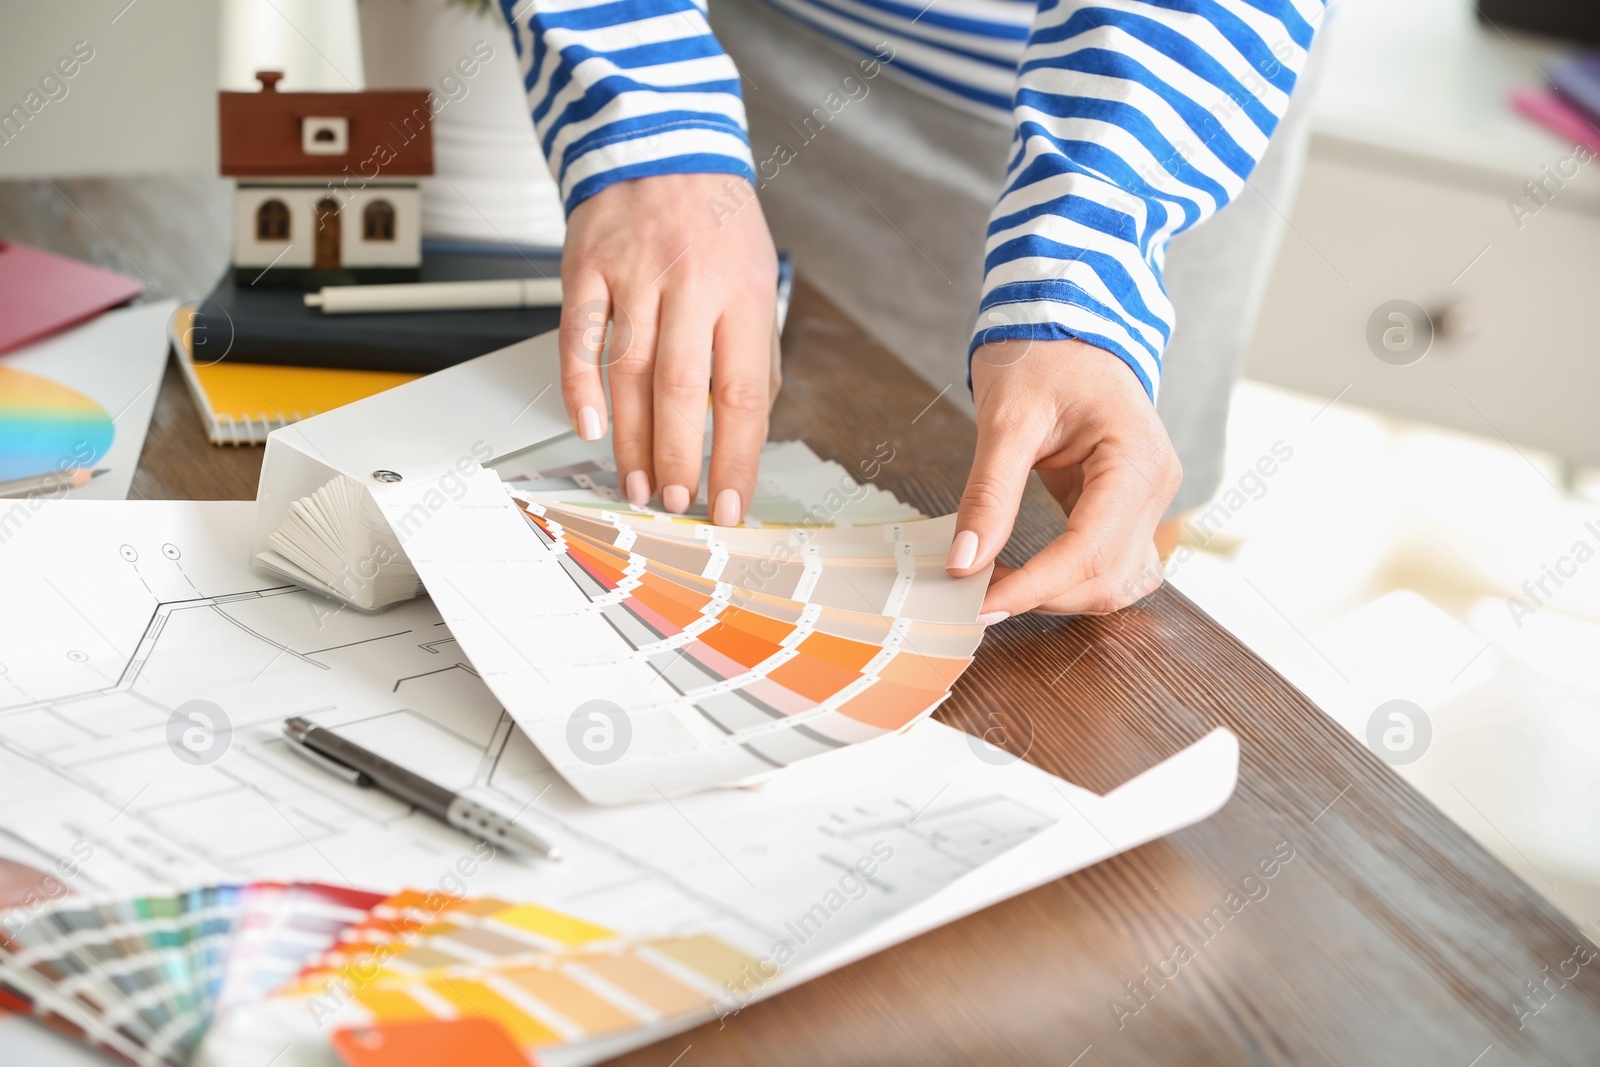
(158, 616)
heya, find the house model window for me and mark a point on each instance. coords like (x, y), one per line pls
(272, 221)
(325, 136)
(377, 221)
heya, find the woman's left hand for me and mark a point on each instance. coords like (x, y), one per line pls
(1079, 416)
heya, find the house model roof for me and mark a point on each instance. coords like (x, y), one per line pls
(382, 133)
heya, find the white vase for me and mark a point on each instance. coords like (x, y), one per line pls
(490, 180)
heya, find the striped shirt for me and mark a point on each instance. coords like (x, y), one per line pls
(1133, 120)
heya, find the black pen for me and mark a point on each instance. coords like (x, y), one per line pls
(356, 765)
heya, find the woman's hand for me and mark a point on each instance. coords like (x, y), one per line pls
(1077, 415)
(684, 268)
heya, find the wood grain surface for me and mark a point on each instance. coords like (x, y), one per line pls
(1384, 935)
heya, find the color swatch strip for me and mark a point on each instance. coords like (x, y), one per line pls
(542, 976)
(762, 671)
(146, 976)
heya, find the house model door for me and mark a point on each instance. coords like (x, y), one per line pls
(327, 235)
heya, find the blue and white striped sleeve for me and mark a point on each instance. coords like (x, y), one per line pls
(1134, 120)
(625, 89)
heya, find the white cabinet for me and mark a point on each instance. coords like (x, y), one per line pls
(1414, 157)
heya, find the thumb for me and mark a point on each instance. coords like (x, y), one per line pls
(989, 504)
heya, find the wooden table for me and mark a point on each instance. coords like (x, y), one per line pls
(1389, 937)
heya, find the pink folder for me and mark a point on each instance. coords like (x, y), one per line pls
(1554, 113)
(41, 292)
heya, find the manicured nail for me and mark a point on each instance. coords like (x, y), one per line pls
(726, 513)
(989, 618)
(675, 498)
(637, 487)
(963, 550)
(589, 424)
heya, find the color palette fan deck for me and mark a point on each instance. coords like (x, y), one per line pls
(716, 656)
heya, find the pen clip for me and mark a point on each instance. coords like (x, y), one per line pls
(339, 770)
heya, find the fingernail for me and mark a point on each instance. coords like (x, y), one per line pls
(989, 618)
(726, 513)
(963, 550)
(675, 498)
(637, 487)
(589, 424)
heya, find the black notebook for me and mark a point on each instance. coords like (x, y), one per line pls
(254, 324)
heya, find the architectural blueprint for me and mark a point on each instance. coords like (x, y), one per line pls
(142, 691)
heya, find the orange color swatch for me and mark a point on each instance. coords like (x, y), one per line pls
(427, 1042)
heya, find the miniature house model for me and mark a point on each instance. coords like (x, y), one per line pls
(327, 183)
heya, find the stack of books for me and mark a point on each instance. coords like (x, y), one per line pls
(257, 358)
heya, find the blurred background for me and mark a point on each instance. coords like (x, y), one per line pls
(1409, 525)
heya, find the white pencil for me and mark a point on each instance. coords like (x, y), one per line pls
(437, 296)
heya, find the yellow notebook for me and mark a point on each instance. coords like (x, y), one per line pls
(240, 403)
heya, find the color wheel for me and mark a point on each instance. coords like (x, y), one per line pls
(46, 426)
